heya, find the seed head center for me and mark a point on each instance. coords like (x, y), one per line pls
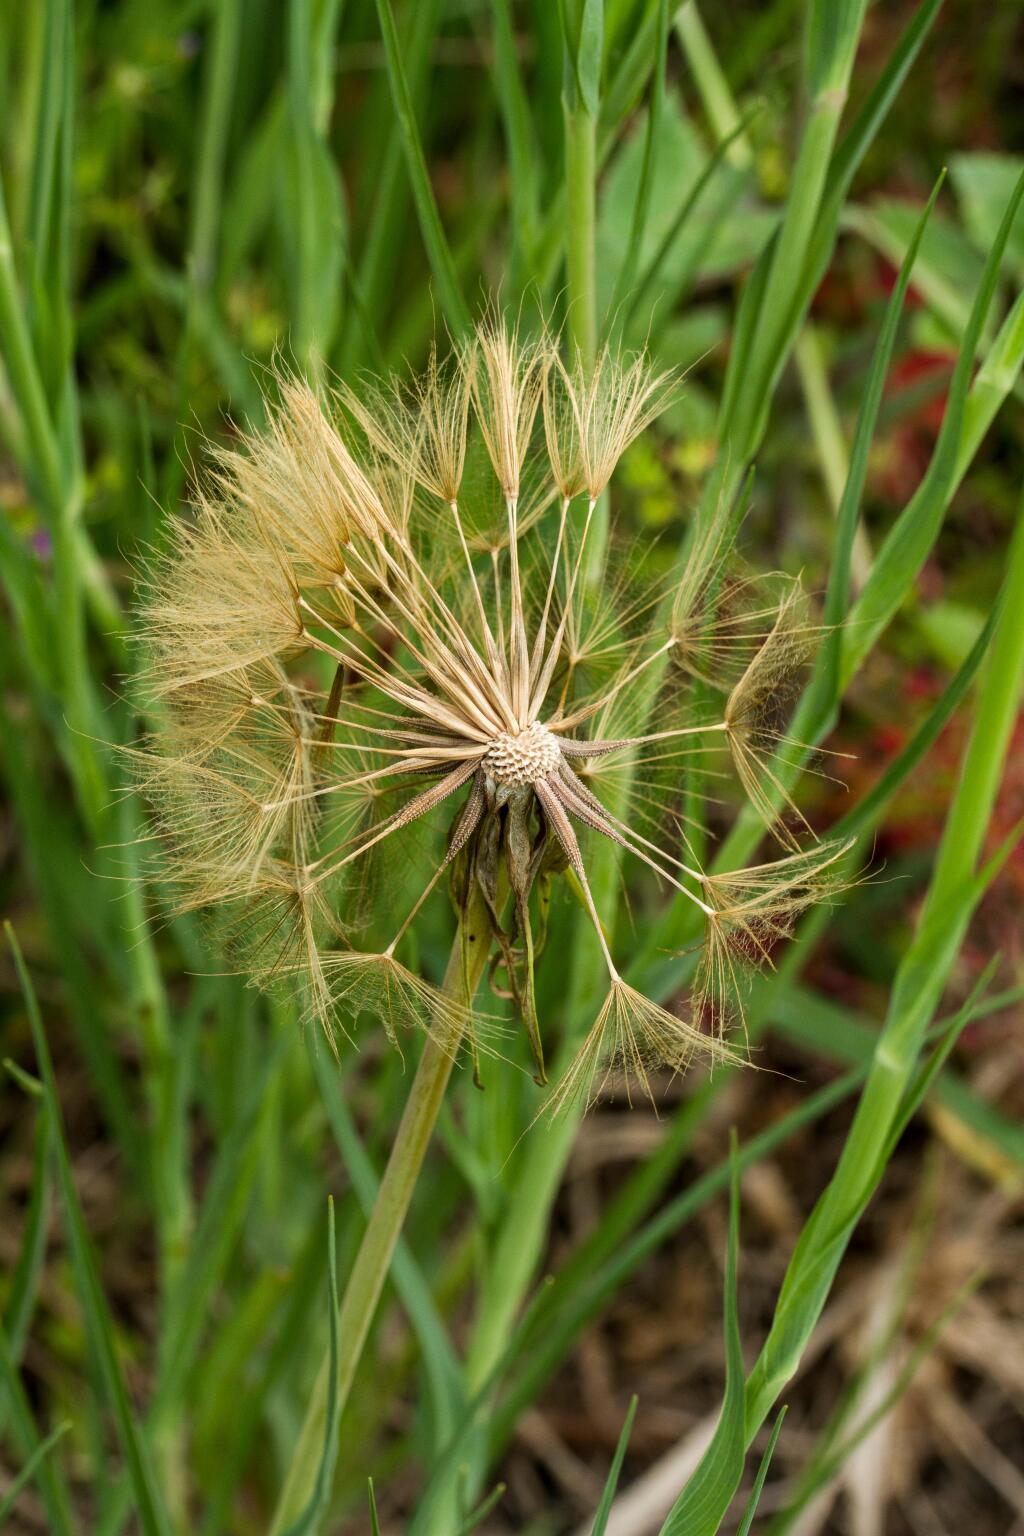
(523, 757)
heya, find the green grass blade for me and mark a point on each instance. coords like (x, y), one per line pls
(604, 1509)
(583, 29)
(385, 233)
(313, 224)
(519, 137)
(913, 534)
(747, 391)
(218, 1228)
(833, 41)
(47, 129)
(828, 1466)
(823, 1027)
(31, 608)
(626, 281)
(994, 380)
(710, 80)
(951, 899)
(848, 515)
(558, 1313)
(213, 137)
(48, 234)
(312, 1517)
(25, 379)
(24, 1286)
(702, 1505)
(580, 249)
(439, 1359)
(442, 265)
(711, 166)
(28, 1471)
(857, 140)
(868, 812)
(249, 1417)
(628, 74)
(881, 1115)
(207, 201)
(148, 1500)
(762, 1473)
(25, 1434)
(482, 1510)
(51, 855)
(44, 392)
(918, 1089)
(996, 712)
(167, 1052)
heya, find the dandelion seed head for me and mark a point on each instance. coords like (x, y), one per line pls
(377, 670)
(522, 757)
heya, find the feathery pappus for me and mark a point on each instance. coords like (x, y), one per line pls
(383, 609)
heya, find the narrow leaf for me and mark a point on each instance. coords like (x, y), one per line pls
(762, 1473)
(848, 516)
(604, 1509)
(25, 1280)
(703, 1502)
(26, 1437)
(482, 1510)
(589, 54)
(913, 534)
(439, 255)
(652, 140)
(28, 1471)
(148, 1498)
(312, 1517)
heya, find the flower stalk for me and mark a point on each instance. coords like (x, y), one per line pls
(369, 1272)
(488, 729)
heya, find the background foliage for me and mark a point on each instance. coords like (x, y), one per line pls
(190, 186)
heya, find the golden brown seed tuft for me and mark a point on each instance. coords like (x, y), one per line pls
(380, 672)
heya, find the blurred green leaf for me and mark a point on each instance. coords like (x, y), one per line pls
(312, 1517)
(434, 239)
(984, 183)
(704, 1502)
(952, 897)
(589, 54)
(25, 1276)
(948, 267)
(34, 1450)
(148, 1498)
(29, 1470)
(911, 537)
(833, 29)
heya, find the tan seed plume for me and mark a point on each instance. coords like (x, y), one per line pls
(361, 626)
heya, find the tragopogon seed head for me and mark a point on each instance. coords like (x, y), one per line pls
(378, 665)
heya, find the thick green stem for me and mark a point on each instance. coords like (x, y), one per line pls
(359, 1303)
